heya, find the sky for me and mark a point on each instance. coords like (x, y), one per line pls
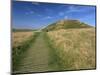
(36, 15)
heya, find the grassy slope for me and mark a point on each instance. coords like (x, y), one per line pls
(54, 60)
(75, 47)
(74, 43)
(66, 24)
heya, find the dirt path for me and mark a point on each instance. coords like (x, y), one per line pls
(37, 57)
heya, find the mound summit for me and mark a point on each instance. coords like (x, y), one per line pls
(66, 24)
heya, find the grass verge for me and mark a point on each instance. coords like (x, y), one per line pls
(54, 60)
(17, 52)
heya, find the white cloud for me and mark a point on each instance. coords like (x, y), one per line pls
(35, 3)
(65, 17)
(39, 15)
(29, 12)
(48, 17)
(61, 13)
(73, 9)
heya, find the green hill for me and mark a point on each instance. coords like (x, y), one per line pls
(66, 24)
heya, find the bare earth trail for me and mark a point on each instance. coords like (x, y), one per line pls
(37, 58)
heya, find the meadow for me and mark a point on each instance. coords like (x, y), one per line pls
(58, 47)
(74, 47)
(21, 40)
(57, 50)
(20, 37)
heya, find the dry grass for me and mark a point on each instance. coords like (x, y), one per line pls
(19, 37)
(75, 47)
(20, 42)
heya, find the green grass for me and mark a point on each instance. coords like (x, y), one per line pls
(66, 24)
(39, 57)
(17, 52)
(69, 49)
(54, 60)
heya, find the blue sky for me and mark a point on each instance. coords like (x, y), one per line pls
(34, 15)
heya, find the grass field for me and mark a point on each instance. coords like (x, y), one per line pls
(57, 50)
(20, 42)
(75, 47)
(20, 37)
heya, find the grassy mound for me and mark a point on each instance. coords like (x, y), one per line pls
(66, 24)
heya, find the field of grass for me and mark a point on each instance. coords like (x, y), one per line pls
(57, 50)
(74, 47)
(39, 57)
(54, 60)
(20, 37)
(20, 42)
